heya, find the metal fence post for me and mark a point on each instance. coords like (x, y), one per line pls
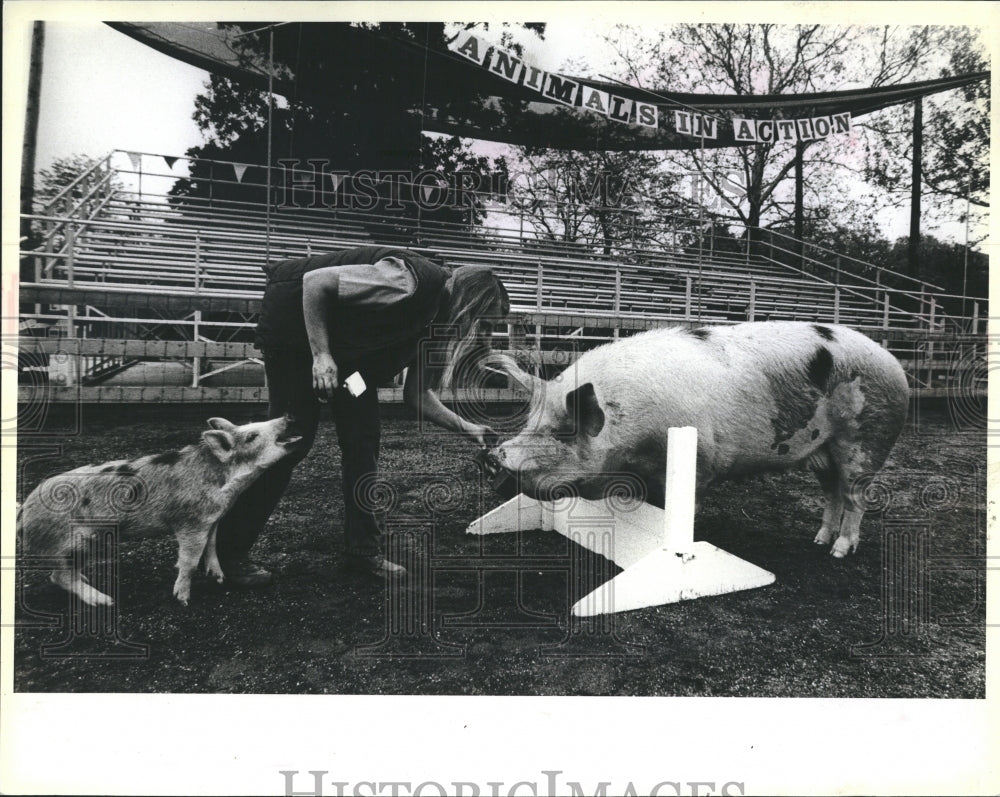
(933, 323)
(836, 304)
(70, 254)
(196, 365)
(752, 308)
(975, 318)
(538, 306)
(687, 298)
(618, 300)
(197, 264)
(885, 317)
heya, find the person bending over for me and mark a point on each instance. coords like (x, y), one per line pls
(373, 310)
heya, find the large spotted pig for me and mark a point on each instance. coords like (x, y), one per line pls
(763, 396)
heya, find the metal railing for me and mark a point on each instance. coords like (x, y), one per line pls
(201, 253)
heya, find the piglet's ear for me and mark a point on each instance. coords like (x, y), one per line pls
(585, 410)
(221, 423)
(220, 443)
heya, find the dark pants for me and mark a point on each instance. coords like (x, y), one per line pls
(289, 379)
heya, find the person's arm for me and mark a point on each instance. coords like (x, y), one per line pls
(319, 295)
(429, 407)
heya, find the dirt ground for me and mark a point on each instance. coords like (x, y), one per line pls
(904, 617)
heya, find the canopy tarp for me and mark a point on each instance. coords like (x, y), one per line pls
(455, 96)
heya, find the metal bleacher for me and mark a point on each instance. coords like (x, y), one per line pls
(166, 289)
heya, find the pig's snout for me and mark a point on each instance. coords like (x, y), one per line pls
(504, 482)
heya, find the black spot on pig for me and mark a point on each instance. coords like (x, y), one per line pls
(824, 332)
(815, 433)
(166, 458)
(701, 334)
(796, 394)
(783, 448)
(85, 501)
(820, 367)
(125, 469)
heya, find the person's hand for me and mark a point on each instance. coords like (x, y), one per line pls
(482, 436)
(324, 376)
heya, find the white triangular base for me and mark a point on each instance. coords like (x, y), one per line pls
(669, 577)
(631, 537)
(655, 547)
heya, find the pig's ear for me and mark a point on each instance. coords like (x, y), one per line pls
(221, 423)
(221, 443)
(584, 409)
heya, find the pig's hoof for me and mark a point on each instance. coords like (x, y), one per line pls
(100, 599)
(183, 594)
(822, 537)
(841, 548)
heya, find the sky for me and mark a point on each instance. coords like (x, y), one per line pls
(132, 97)
(102, 90)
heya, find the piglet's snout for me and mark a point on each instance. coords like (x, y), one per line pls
(288, 431)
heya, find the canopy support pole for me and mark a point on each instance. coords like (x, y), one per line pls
(918, 145)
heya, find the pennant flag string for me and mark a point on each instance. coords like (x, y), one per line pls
(240, 169)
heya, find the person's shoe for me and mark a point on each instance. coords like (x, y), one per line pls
(245, 573)
(376, 566)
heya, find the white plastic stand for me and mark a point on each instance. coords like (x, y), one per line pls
(662, 563)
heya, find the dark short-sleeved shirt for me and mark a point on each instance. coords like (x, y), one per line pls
(382, 313)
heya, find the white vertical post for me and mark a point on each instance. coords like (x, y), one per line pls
(752, 309)
(678, 510)
(687, 298)
(836, 305)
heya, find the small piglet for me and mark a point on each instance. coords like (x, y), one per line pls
(184, 492)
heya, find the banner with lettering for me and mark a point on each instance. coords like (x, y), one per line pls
(551, 85)
(575, 93)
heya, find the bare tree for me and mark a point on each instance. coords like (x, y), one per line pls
(956, 142)
(602, 200)
(772, 59)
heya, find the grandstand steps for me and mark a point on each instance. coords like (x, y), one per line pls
(106, 372)
(191, 269)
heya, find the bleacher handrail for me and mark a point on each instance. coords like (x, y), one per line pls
(67, 190)
(864, 263)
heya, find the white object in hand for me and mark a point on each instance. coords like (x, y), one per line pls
(355, 384)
